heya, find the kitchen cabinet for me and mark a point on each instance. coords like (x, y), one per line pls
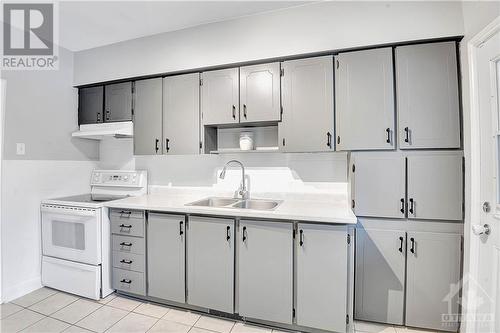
(181, 114)
(380, 275)
(166, 256)
(148, 117)
(220, 97)
(378, 184)
(265, 270)
(364, 97)
(307, 96)
(90, 105)
(321, 285)
(210, 258)
(260, 93)
(435, 186)
(427, 96)
(118, 102)
(433, 268)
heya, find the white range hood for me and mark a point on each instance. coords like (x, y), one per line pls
(119, 130)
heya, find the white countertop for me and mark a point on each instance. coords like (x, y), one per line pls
(321, 207)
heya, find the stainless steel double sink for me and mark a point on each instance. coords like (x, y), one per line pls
(221, 202)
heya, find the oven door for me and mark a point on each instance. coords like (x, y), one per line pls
(71, 233)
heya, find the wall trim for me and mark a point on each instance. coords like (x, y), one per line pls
(22, 289)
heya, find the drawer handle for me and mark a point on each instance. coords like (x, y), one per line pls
(125, 244)
(128, 226)
(126, 281)
(124, 261)
(125, 213)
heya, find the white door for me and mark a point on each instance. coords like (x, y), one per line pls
(482, 284)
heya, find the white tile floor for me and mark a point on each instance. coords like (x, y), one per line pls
(49, 311)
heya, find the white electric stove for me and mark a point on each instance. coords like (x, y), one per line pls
(76, 234)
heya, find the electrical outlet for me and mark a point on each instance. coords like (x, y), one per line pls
(20, 149)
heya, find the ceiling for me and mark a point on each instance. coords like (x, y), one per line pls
(88, 24)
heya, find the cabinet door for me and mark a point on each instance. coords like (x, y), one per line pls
(118, 102)
(427, 96)
(90, 105)
(220, 97)
(364, 97)
(210, 274)
(380, 275)
(433, 269)
(147, 117)
(260, 93)
(435, 186)
(378, 184)
(307, 97)
(181, 114)
(166, 257)
(321, 277)
(265, 270)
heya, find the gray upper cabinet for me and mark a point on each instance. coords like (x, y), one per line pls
(431, 295)
(364, 97)
(210, 259)
(380, 275)
(166, 257)
(118, 102)
(90, 105)
(321, 285)
(181, 114)
(378, 184)
(427, 96)
(307, 96)
(220, 97)
(148, 117)
(435, 185)
(265, 270)
(260, 93)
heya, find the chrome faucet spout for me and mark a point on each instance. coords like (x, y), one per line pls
(243, 189)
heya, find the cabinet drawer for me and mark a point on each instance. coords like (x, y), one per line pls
(128, 281)
(129, 261)
(119, 214)
(130, 226)
(127, 244)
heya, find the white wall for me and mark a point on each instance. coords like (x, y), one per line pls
(312, 28)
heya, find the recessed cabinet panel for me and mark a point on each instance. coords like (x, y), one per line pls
(265, 270)
(378, 184)
(260, 93)
(147, 117)
(211, 263)
(380, 275)
(181, 114)
(118, 102)
(307, 97)
(433, 269)
(427, 96)
(220, 97)
(435, 186)
(166, 257)
(90, 105)
(321, 283)
(364, 97)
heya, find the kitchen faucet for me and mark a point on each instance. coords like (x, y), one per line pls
(243, 189)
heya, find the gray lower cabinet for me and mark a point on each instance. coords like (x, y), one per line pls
(307, 97)
(321, 285)
(181, 114)
(364, 97)
(428, 96)
(90, 105)
(220, 97)
(166, 256)
(380, 275)
(265, 270)
(148, 117)
(118, 102)
(433, 270)
(210, 260)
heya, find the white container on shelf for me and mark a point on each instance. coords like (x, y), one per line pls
(246, 141)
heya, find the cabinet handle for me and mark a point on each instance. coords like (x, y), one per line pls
(407, 134)
(234, 112)
(411, 206)
(228, 233)
(412, 249)
(156, 145)
(98, 117)
(402, 210)
(328, 139)
(128, 262)
(128, 226)
(388, 130)
(181, 232)
(401, 244)
(301, 237)
(244, 233)
(108, 111)
(126, 281)
(125, 244)
(126, 213)
(167, 144)
(245, 111)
